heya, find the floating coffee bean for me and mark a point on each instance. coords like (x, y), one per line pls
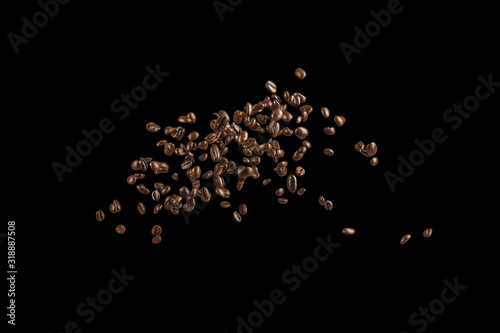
(184, 191)
(359, 146)
(141, 208)
(298, 120)
(306, 144)
(152, 127)
(328, 151)
(156, 230)
(427, 233)
(120, 229)
(301, 132)
(131, 179)
(118, 206)
(219, 181)
(321, 200)
(175, 176)
(266, 181)
(242, 209)
(371, 149)
(236, 216)
(214, 153)
(136, 165)
(301, 191)
(155, 195)
(165, 190)
(328, 205)
(279, 192)
(374, 161)
(348, 231)
(225, 204)
(156, 240)
(157, 208)
(183, 119)
(291, 183)
(192, 117)
(329, 130)
(300, 73)
(404, 239)
(300, 171)
(325, 112)
(142, 189)
(282, 200)
(175, 211)
(203, 157)
(254, 160)
(99, 215)
(193, 136)
(339, 120)
(297, 156)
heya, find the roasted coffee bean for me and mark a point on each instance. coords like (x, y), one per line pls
(165, 190)
(157, 208)
(301, 191)
(287, 116)
(291, 183)
(156, 240)
(158, 186)
(99, 215)
(374, 161)
(339, 120)
(321, 200)
(255, 160)
(266, 181)
(152, 127)
(328, 205)
(186, 164)
(141, 208)
(236, 216)
(155, 195)
(131, 179)
(359, 146)
(161, 143)
(307, 109)
(300, 171)
(298, 120)
(142, 189)
(325, 112)
(156, 230)
(203, 157)
(259, 107)
(203, 145)
(120, 229)
(287, 131)
(175, 176)
(242, 209)
(301, 132)
(175, 211)
(302, 149)
(169, 130)
(348, 231)
(427, 233)
(140, 175)
(282, 200)
(371, 149)
(169, 149)
(279, 192)
(225, 204)
(192, 117)
(305, 116)
(206, 195)
(207, 174)
(329, 130)
(184, 191)
(239, 184)
(136, 165)
(300, 73)
(271, 87)
(220, 192)
(212, 137)
(219, 181)
(328, 151)
(183, 119)
(193, 136)
(214, 153)
(297, 156)
(404, 239)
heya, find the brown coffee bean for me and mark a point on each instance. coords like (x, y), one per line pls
(175, 211)
(404, 239)
(371, 149)
(297, 156)
(142, 189)
(184, 191)
(243, 209)
(325, 112)
(156, 230)
(271, 87)
(203, 157)
(136, 165)
(118, 206)
(300, 171)
(301, 191)
(359, 146)
(266, 181)
(329, 130)
(255, 160)
(427, 233)
(207, 174)
(155, 195)
(348, 231)
(175, 176)
(298, 120)
(152, 127)
(99, 215)
(282, 200)
(192, 117)
(279, 192)
(186, 163)
(339, 120)
(156, 240)
(328, 151)
(328, 205)
(219, 181)
(206, 195)
(306, 144)
(131, 179)
(287, 131)
(225, 204)
(120, 229)
(165, 190)
(321, 200)
(214, 153)
(374, 161)
(141, 208)
(158, 186)
(157, 208)
(183, 120)
(300, 73)
(236, 216)
(291, 183)
(239, 184)
(301, 132)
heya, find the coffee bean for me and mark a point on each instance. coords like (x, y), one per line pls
(291, 183)
(183, 119)
(359, 146)
(404, 239)
(225, 204)
(184, 191)
(236, 216)
(156, 230)
(266, 181)
(427, 233)
(300, 73)
(243, 209)
(219, 181)
(339, 120)
(301, 191)
(279, 192)
(298, 120)
(374, 161)
(115, 207)
(99, 215)
(325, 112)
(141, 208)
(282, 200)
(329, 130)
(120, 229)
(175, 211)
(165, 190)
(136, 165)
(175, 176)
(255, 160)
(192, 117)
(152, 127)
(348, 231)
(328, 151)
(131, 179)
(155, 195)
(321, 200)
(301, 132)
(371, 149)
(157, 208)
(142, 189)
(206, 195)
(158, 186)
(156, 240)
(297, 156)
(271, 87)
(203, 157)
(306, 144)
(287, 116)
(214, 153)
(328, 205)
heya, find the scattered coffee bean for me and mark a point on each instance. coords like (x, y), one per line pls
(155, 195)
(300, 171)
(348, 231)
(152, 127)
(236, 216)
(271, 87)
(427, 233)
(243, 209)
(120, 229)
(266, 181)
(301, 191)
(306, 144)
(359, 146)
(321, 200)
(371, 149)
(157, 208)
(142, 189)
(404, 239)
(374, 161)
(325, 112)
(282, 200)
(328, 151)
(141, 208)
(175, 176)
(301, 132)
(225, 204)
(131, 179)
(300, 73)
(156, 240)
(328, 205)
(339, 120)
(279, 192)
(156, 230)
(99, 215)
(329, 130)
(291, 183)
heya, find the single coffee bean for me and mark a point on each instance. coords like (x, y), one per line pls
(301, 191)
(156, 240)
(175, 176)
(175, 211)
(243, 209)
(152, 127)
(329, 130)
(131, 179)
(156, 230)
(427, 233)
(359, 146)
(236, 216)
(348, 231)
(328, 151)
(297, 156)
(183, 119)
(140, 175)
(192, 117)
(300, 171)
(112, 208)
(203, 157)
(404, 239)
(225, 204)
(300, 73)
(271, 87)
(141, 208)
(165, 190)
(374, 161)
(214, 153)
(328, 205)
(298, 120)
(184, 191)
(325, 112)
(155, 195)
(266, 181)
(157, 208)
(254, 160)
(321, 200)
(245, 160)
(136, 165)
(219, 181)
(279, 192)
(371, 149)
(282, 200)
(99, 215)
(339, 120)
(142, 189)
(301, 132)
(291, 183)
(120, 229)
(306, 144)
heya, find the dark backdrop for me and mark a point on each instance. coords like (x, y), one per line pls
(208, 270)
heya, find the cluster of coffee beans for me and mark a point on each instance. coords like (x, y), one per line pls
(427, 233)
(368, 151)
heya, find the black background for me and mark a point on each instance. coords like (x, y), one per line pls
(207, 273)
